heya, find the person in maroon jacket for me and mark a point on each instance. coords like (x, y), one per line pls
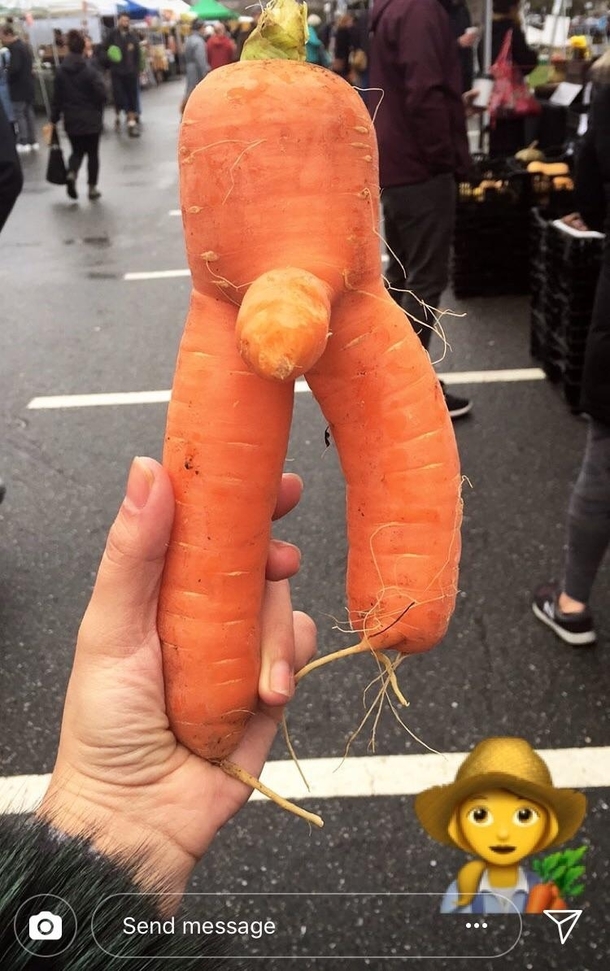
(423, 149)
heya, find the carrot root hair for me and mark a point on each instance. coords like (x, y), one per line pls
(236, 772)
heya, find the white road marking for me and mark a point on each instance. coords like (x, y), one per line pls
(175, 212)
(493, 377)
(155, 275)
(97, 400)
(170, 274)
(49, 402)
(371, 775)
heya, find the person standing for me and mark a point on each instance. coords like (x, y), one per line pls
(5, 96)
(122, 47)
(423, 150)
(80, 96)
(466, 36)
(11, 184)
(315, 51)
(195, 59)
(507, 135)
(221, 49)
(21, 88)
(564, 606)
(11, 177)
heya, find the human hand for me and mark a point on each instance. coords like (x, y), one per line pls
(468, 100)
(575, 221)
(469, 38)
(120, 774)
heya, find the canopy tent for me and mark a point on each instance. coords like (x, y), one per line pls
(49, 8)
(178, 8)
(136, 11)
(211, 10)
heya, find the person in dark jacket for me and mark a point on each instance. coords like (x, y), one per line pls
(466, 38)
(507, 135)
(11, 177)
(11, 184)
(423, 149)
(129, 810)
(21, 88)
(564, 607)
(80, 96)
(122, 48)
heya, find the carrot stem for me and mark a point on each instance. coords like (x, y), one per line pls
(250, 780)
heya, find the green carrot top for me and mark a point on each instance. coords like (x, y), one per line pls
(281, 33)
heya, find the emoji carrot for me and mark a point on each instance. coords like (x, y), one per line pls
(544, 896)
(280, 201)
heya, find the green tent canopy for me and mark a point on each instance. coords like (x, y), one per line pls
(211, 10)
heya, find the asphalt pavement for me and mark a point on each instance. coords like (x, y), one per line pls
(72, 324)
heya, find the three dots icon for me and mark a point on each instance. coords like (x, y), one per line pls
(477, 925)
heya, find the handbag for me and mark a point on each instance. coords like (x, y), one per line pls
(56, 167)
(510, 97)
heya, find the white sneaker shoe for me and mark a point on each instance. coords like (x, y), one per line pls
(35, 146)
(24, 149)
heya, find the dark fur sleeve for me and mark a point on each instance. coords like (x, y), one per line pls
(36, 860)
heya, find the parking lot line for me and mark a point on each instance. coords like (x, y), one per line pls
(367, 776)
(50, 402)
(138, 277)
(155, 275)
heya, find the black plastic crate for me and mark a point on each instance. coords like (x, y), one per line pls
(563, 277)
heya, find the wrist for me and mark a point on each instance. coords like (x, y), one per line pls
(159, 862)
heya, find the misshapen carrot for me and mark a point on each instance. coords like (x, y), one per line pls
(278, 169)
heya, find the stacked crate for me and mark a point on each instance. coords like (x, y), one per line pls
(492, 241)
(564, 276)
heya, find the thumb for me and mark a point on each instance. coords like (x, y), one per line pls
(123, 608)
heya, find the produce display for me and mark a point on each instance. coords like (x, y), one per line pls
(280, 203)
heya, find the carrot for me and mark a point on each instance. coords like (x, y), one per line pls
(544, 896)
(280, 200)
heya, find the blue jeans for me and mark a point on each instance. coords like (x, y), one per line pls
(25, 120)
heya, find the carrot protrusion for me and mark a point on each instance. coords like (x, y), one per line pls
(282, 324)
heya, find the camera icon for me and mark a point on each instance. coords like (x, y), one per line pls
(45, 926)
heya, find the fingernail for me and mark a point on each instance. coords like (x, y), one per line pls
(281, 679)
(280, 544)
(139, 484)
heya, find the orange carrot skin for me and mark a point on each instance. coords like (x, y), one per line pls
(213, 581)
(278, 167)
(397, 449)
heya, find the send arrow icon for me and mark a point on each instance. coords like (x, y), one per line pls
(566, 921)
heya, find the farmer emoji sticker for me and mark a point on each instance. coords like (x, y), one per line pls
(501, 808)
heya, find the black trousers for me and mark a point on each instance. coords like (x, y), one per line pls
(85, 145)
(418, 222)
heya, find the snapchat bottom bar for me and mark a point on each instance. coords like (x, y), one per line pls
(333, 926)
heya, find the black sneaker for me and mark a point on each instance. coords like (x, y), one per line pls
(457, 407)
(574, 629)
(2, 490)
(71, 185)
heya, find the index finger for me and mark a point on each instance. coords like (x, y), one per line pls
(291, 488)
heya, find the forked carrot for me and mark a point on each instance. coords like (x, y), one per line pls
(280, 202)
